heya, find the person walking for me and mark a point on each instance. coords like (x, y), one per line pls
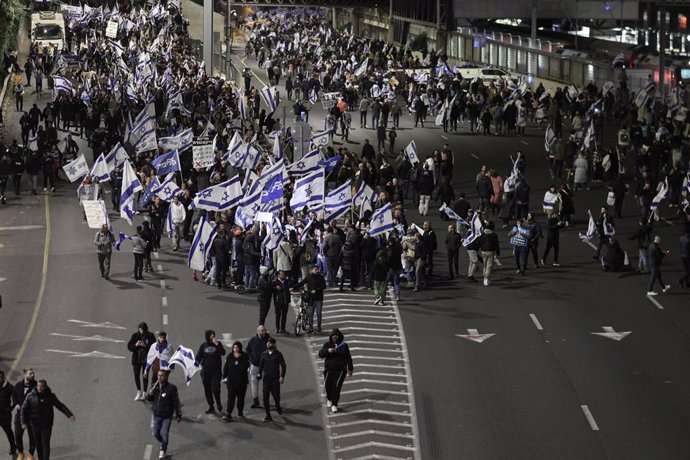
(139, 345)
(220, 250)
(642, 236)
(159, 356)
(138, 249)
(264, 293)
(281, 300)
(178, 215)
(165, 403)
(255, 348)
(685, 256)
(605, 230)
(337, 364)
(6, 389)
(553, 236)
(490, 249)
(104, 241)
(656, 256)
(272, 370)
(19, 393)
(520, 237)
(420, 257)
(379, 273)
(236, 377)
(314, 285)
(38, 414)
(209, 356)
(453, 244)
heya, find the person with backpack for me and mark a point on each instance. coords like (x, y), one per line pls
(307, 256)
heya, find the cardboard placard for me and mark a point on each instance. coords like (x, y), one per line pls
(203, 154)
(95, 213)
(111, 29)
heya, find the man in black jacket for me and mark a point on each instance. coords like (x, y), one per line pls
(21, 389)
(432, 245)
(315, 285)
(264, 294)
(281, 300)
(656, 255)
(453, 244)
(166, 402)
(338, 362)
(220, 249)
(209, 356)
(6, 411)
(37, 411)
(139, 345)
(272, 370)
(255, 348)
(420, 257)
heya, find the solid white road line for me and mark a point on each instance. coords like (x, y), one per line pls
(148, 451)
(474, 156)
(536, 321)
(165, 320)
(590, 418)
(655, 302)
(162, 284)
(164, 301)
(159, 268)
(524, 142)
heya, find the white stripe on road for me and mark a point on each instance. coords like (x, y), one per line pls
(164, 301)
(21, 227)
(536, 321)
(159, 268)
(474, 156)
(524, 142)
(162, 284)
(148, 451)
(165, 320)
(655, 302)
(590, 418)
(444, 137)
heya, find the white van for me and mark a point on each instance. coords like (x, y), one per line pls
(48, 27)
(487, 74)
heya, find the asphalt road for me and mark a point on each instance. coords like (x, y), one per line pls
(525, 392)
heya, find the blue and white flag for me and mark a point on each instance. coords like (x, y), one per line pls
(220, 196)
(33, 142)
(305, 232)
(273, 191)
(330, 164)
(364, 194)
(201, 244)
(411, 152)
(321, 139)
(168, 189)
(662, 191)
(381, 220)
(100, 169)
(169, 223)
(121, 239)
(590, 136)
(307, 164)
(309, 191)
(591, 229)
(167, 163)
(130, 186)
(250, 204)
(116, 157)
(359, 71)
(268, 174)
(180, 142)
(270, 97)
(452, 214)
(76, 168)
(149, 192)
(276, 235)
(61, 83)
(184, 357)
(241, 219)
(176, 102)
(241, 105)
(277, 151)
(338, 201)
(235, 153)
(476, 229)
(143, 136)
(549, 138)
(232, 194)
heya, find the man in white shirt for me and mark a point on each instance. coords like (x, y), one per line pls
(178, 215)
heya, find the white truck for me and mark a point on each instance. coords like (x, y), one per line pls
(48, 28)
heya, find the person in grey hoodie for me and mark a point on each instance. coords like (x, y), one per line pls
(138, 248)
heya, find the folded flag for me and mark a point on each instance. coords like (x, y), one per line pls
(184, 357)
(120, 239)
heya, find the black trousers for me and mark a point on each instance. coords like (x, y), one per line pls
(19, 435)
(138, 372)
(551, 243)
(6, 425)
(333, 384)
(686, 268)
(236, 393)
(42, 436)
(17, 182)
(211, 381)
(138, 265)
(281, 315)
(454, 263)
(271, 388)
(264, 307)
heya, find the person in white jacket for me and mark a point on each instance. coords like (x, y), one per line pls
(177, 216)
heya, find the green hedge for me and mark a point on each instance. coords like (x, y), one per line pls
(11, 13)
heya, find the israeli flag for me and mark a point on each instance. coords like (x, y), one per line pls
(149, 192)
(176, 102)
(277, 234)
(220, 196)
(76, 168)
(269, 95)
(250, 158)
(241, 105)
(116, 157)
(100, 169)
(359, 71)
(591, 229)
(61, 83)
(662, 191)
(241, 219)
(33, 143)
(184, 357)
(338, 201)
(590, 136)
(452, 214)
(267, 175)
(273, 190)
(277, 151)
(307, 164)
(168, 189)
(235, 153)
(232, 194)
(476, 229)
(364, 194)
(250, 204)
(130, 186)
(549, 138)
(309, 191)
(381, 220)
(201, 244)
(313, 96)
(320, 140)
(411, 152)
(167, 163)
(305, 233)
(121, 239)
(331, 163)
(179, 142)
(143, 137)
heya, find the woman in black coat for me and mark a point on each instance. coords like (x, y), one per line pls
(338, 363)
(139, 345)
(236, 376)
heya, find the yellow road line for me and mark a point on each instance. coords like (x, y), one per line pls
(253, 73)
(39, 298)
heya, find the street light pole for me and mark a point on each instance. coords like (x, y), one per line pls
(229, 74)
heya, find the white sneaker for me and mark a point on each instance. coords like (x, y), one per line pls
(161, 454)
(334, 409)
(329, 404)
(486, 281)
(666, 288)
(651, 293)
(138, 396)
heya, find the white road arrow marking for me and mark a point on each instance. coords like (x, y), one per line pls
(93, 338)
(105, 325)
(3, 279)
(91, 354)
(609, 333)
(475, 336)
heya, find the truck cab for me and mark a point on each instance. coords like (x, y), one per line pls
(48, 27)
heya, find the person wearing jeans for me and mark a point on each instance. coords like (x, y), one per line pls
(255, 347)
(315, 285)
(165, 402)
(178, 215)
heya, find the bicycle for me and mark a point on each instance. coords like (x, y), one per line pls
(301, 319)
